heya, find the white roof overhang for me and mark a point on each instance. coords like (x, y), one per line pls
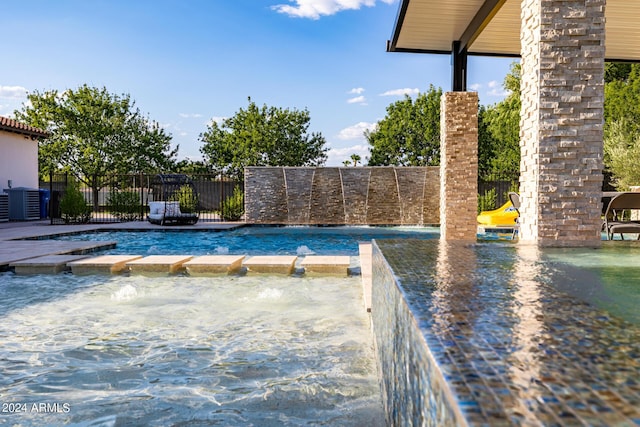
(492, 28)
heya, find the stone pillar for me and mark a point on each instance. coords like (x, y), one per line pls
(459, 165)
(561, 125)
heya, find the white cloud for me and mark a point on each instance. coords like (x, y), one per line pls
(314, 9)
(13, 92)
(356, 91)
(357, 100)
(190, 116)
(335, 156)
(496, 89)
(401, 92)
(356, 131)
(492, 89)
(6, 111)
(500, 93)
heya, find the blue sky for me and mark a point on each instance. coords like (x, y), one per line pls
(187, 62)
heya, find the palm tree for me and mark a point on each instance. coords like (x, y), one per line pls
(355, 159)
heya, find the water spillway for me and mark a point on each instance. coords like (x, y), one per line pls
(342, 196)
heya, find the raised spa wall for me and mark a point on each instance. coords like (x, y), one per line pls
(487, 334)
(414, 391)
(342, 196)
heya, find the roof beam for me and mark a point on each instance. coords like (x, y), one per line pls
(402, 11)
(484, 15)
(459, 68)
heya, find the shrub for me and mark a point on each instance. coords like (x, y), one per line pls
(232, 207)
(124, 205)
(187, 197)
(73, 206)
(487, 201)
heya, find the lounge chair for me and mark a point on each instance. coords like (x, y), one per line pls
(515, 201)
(165, 213)
(617, 217)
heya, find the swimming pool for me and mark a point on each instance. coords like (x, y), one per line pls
(252, 240)
(97, 350)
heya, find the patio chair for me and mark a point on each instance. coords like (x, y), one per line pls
(515, 201)
(623, 215)
(171, 191)
(165, 213)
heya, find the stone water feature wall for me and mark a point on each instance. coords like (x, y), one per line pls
(342, 196)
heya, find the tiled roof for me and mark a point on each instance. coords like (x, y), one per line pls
(11, 125)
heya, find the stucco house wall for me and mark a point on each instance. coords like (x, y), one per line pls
(18, 154)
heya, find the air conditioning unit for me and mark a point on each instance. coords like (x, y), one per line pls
(24, 203)
(4, 207)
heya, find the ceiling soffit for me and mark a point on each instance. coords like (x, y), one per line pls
(431, 26)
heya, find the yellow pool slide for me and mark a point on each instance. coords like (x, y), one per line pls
(504, 215)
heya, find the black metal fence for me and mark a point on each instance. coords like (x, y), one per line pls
(118, 198)
(494, 187)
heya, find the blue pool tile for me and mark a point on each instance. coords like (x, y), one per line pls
(504, 337)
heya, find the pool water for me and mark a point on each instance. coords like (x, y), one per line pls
(186, 351)
(608, 278)
(253, 240)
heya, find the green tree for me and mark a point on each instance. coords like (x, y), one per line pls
(262, 136)
(622, 155)
(499, 129)
(485, 141)
(192, 167)
(622, 100)
(95, 133)
(355, 158)
(409, 135)
(621, 126)
(616, 71)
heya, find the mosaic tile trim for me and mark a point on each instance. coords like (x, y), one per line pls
(478, 334)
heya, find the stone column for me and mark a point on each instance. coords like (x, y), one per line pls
(561, 121)
(459, 166)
